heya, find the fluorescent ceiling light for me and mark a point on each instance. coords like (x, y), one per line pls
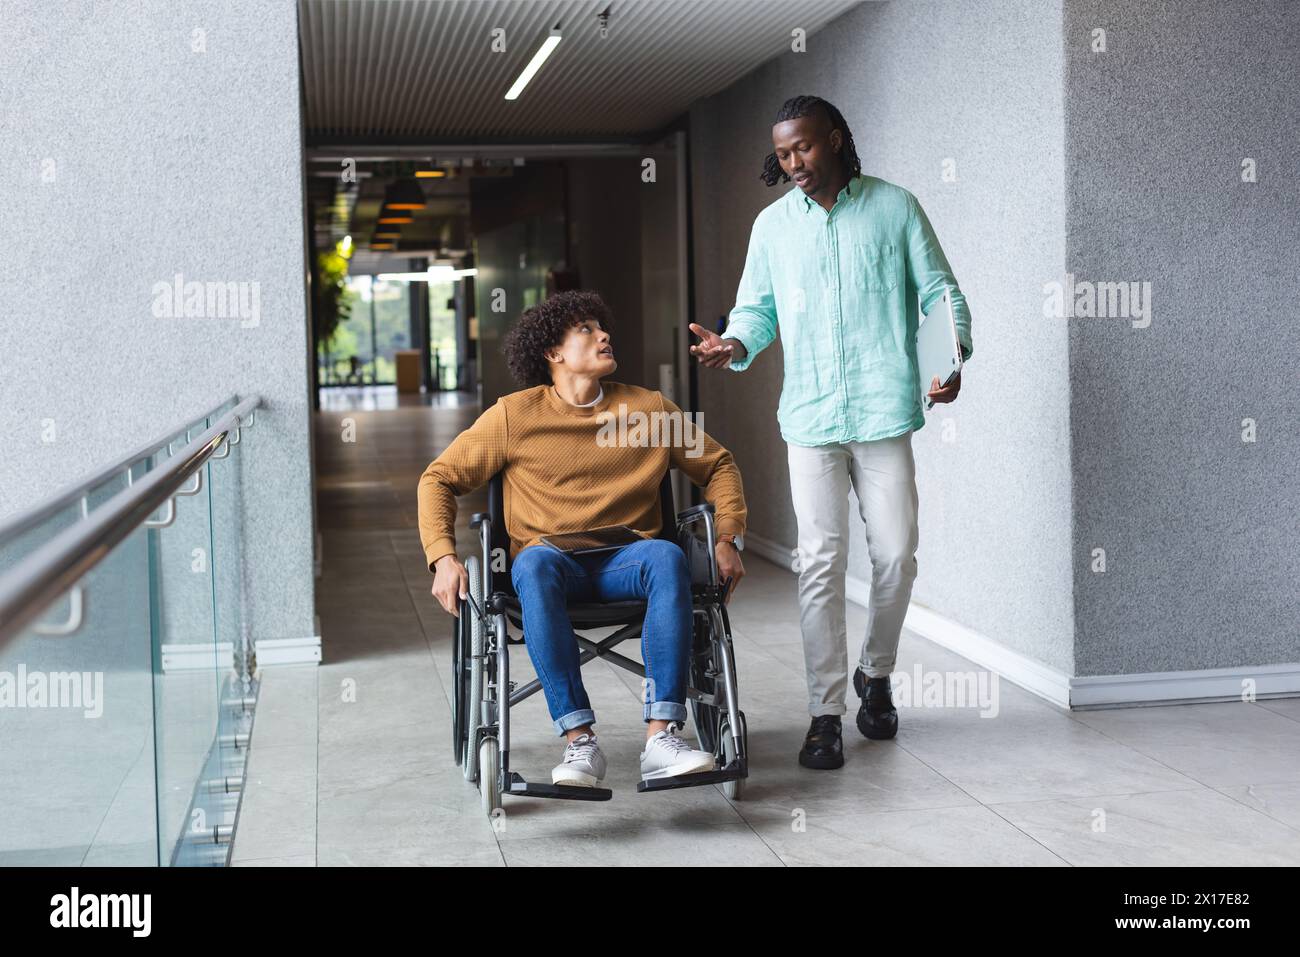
(535, 64)
(434, 274)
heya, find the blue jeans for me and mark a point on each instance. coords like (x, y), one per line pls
(653, 571)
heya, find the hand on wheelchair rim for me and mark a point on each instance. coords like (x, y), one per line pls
(450, 583)
(730, 568)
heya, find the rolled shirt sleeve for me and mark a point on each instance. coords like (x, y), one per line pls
(753, 319)
(930, 273)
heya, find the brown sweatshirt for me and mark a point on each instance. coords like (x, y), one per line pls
(572, 468)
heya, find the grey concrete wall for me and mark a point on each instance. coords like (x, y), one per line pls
(519, 236)
(604, 223)
(137, 148)
(663, 268)
(1198, 526)
(995, 543)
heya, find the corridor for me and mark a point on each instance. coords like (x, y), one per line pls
(351, 761)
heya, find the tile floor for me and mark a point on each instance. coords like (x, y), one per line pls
(350, 761)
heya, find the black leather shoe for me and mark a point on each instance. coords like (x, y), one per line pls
(823, 748)
(877, 718)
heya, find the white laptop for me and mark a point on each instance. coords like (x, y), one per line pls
(938, 350)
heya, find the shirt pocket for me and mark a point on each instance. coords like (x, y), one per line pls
(875, 267)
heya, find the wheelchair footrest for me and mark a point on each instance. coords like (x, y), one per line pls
(570, 792)
(731, 772)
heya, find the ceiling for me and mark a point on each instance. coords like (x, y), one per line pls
(409, 71)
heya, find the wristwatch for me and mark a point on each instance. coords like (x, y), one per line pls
(737, 541)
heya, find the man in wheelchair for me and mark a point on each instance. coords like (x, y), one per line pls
(568, 468)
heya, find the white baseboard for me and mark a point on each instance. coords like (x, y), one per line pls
(289, 651)
(1043, 680)
(774, 552)
(199, 656)
(1055, 686)
(1243, 683)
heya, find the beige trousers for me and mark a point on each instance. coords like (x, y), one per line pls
(883, 475)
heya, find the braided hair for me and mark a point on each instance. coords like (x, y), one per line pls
(799, 106)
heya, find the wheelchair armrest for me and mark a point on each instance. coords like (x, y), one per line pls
(694, 513)
(689, 516)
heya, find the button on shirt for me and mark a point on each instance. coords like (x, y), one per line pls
(842, 289)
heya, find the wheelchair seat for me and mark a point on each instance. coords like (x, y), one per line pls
(581, 614)
(588, 614)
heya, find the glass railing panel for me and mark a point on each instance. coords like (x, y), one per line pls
(186, 653)
(224, 773)
(123, 738)
(77, 767)
(18, 546)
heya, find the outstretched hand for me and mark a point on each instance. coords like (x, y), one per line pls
(714, 351)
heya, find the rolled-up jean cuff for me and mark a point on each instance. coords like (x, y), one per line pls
(574, 719)
(665, 711)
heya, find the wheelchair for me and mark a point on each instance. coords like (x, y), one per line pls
(483, 693)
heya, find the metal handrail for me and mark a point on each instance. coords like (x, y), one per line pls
(30, 587)
(83, 487)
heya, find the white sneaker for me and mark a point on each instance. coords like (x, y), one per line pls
(666, 756)
(583, 764)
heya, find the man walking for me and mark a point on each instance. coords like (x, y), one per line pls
(836, 265)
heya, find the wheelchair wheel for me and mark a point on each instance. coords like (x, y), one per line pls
(489, 766)
(474, 668)
(705, 716)
(459, 686)
(734, 790)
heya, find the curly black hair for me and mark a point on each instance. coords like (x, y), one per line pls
(543, 327)
(796, 107)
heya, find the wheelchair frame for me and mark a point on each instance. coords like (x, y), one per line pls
(481, 669)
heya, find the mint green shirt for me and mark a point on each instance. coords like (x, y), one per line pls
(842, 289)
